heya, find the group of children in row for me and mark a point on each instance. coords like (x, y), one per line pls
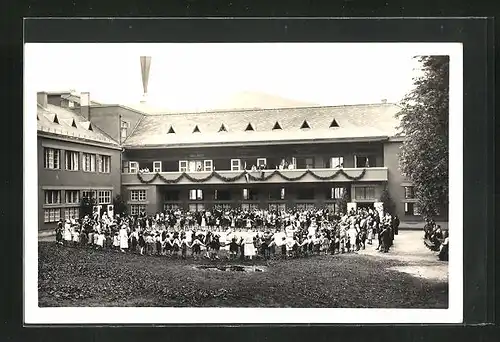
(349, 233)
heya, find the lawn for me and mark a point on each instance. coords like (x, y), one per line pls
(85, 277)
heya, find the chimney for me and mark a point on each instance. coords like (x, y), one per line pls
(384, 101)
(41, 98)
(85, 105)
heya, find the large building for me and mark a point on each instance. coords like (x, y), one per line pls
(228, 159)
(75, 158)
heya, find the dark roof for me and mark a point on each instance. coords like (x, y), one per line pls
(67, 120)
(354, 121)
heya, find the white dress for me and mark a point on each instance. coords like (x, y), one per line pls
(249, 247)
(203, 222)
(123, 238)
(67, 232)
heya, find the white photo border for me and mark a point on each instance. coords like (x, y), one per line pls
(33, 314)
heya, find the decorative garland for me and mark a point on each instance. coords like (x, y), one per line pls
(264, 177)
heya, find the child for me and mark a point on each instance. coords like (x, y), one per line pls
(176, 244)
(158, 244)
(59, 230)
(196, 247)
(149, 243)
(233, 249)
(100, 240)
(76, 237)
(142, 243)
(184, 245)
(116, 241)
(283, 247)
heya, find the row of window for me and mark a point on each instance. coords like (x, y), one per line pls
(74, 196)
(250, 194)
(136, 209)
(54, 214)
(88, 162)
(207, 165)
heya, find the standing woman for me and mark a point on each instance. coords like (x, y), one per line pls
(123, 238)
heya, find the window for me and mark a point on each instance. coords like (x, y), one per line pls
(277, 194)
(88, 162)
(208, 165)
(71, 104)
(138, 195)
(196, 207)
(409, 192)
(196, 195)
(183, 165)
(305, 125)
(222, 206)
(104, 163)
(52, 215)
(305, 206)
(364, 161)
(235, 165)
(250, 195)
(52, 196)
(261, 162)
(412, 209)
(171, 206)
(305, 194)
(336, 193)
(157, 166)
(364, 193)
(336, 162)
(136, 209)
(332, 207)
(89, 194)
(70, 213)
(104, 197)
(277, 206)
(249, 206)
(72, 160)
(133, 167)
(52, 157)
(222, 195)
(72, 196)
(124, 128)
(172, 195)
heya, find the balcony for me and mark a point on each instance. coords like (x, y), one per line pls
(371, 174)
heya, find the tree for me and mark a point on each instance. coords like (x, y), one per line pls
(424, 124)
(119, 205)
(389, 206)
(87, 206)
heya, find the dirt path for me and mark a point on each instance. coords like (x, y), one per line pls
(410, 249)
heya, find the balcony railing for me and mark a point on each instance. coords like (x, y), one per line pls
(371, 174)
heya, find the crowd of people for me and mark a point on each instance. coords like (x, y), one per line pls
(240, 233)
(436, 239)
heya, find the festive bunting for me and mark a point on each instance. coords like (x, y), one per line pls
(249, 176)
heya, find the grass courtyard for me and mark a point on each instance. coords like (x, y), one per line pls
(86, 277)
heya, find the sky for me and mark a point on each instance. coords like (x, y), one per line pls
(197, 76)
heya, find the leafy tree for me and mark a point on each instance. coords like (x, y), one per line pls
(389, 206)
(424, 123)
(87, 206)
(119, 205)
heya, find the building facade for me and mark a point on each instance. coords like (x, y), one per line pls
(75, 159)
(283, 158)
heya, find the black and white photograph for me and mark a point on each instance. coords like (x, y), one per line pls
(243, 183)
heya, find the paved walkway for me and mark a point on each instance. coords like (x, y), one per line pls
(409, 248)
